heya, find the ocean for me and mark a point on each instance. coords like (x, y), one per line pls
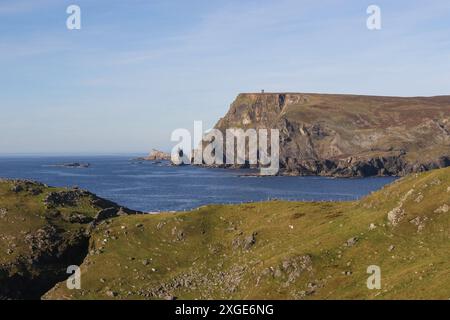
(154, 187)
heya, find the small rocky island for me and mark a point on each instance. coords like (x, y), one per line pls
(73, 165)
(156, 155)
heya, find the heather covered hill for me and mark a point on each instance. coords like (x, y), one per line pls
(349, 135)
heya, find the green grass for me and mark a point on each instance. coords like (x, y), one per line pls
(193, 255)
(25, 213)
(38, 242)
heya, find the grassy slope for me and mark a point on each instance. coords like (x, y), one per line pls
(26, 213)
(38, 242)
(299, 250)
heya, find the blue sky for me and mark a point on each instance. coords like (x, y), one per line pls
(139, 69)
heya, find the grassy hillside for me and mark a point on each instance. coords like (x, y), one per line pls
(43, 230)
(281, 250)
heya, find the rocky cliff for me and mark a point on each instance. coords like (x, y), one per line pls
(157, 155)
(349, 135)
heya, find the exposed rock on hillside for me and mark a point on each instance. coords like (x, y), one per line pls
(349, 135)
(44, 230)
(278, 250)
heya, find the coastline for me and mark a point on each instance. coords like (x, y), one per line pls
(159, 187)
(238, 234)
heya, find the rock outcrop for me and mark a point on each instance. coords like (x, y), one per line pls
(157, 155)
(349, 135)
(44, 230)
(74, 165)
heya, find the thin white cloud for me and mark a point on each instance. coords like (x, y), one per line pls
(8, 7)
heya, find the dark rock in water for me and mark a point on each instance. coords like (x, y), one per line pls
(180, 158)
(74, 165)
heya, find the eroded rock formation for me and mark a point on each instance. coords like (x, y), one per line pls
(349, 135)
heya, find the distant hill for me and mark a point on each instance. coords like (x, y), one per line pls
(349, 135)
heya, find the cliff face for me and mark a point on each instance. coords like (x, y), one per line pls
(349, 135)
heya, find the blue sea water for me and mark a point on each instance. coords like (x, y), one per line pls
(152, 187)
